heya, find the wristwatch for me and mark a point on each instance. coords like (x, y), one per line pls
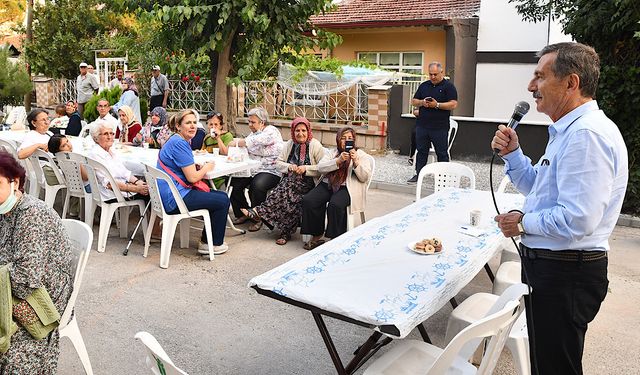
(520, 226)
(437, 105)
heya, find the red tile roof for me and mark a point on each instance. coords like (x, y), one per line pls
(376, 13)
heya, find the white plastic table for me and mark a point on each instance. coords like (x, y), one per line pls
(370, 277)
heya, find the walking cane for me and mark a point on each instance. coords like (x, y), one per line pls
(126, 249)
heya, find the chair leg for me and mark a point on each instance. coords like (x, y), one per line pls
(50, 196)
(147, 235)
(184, 233)
(72, 331)
(209, 231)
(106, 217)
(65, 206)
(169, 225)
(124, 221)
(519, 348)
(362, 218)
(350, 221)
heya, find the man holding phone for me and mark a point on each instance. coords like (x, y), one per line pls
(435, 98)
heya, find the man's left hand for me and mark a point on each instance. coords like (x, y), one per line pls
(508, 223)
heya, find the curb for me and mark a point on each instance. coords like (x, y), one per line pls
(624, 220)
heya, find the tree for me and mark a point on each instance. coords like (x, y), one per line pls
(11, 11)
(613, 29)
(14, 80)
(66, 31)
(242, 38)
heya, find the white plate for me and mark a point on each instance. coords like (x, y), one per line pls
(412, 247)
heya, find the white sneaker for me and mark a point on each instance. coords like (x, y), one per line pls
(203, 248)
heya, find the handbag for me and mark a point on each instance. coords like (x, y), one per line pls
(200, 185)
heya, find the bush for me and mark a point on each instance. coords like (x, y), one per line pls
(91, 107)
(14, 80)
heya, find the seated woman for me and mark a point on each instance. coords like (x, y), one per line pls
(130, 126)
(130, 186)
(218, 137)
(176, 159)
(263, 144)
(158, 120)
(344, 183)
(38, 137)
(34, 242)
(298, 164)
(74, 126)
(60, 143)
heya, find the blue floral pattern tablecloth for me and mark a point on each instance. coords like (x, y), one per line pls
(370, 274)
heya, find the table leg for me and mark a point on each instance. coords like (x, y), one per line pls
(326, 337)
(453, 302)
(489, 272)
(366, 351)
(229, 221)
(423, 333)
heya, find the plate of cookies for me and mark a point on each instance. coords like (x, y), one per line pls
(427, 246)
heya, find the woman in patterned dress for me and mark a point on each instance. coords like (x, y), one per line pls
(34, 242)
(298, 164)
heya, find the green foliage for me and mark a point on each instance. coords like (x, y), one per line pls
(65, 33)
(14, 80)
(613, 29)
(112, 95)
(306, 62)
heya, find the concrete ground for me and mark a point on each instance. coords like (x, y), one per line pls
(209, 322)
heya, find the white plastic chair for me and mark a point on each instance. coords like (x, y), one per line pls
(81, 237)
(351, 216)
(170, 222)
(70, 166)
(480, 305)
(419, 357)
(508, 274)
(157, 359)
(50, 191)
(109, 209)
(445, 174)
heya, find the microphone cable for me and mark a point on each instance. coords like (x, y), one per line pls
(529, 310)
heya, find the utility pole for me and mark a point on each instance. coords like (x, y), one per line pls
(27, 96)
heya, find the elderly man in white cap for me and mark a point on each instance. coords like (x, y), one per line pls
(86, 86)
(159, 89)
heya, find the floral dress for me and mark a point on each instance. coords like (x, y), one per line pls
(34, 241)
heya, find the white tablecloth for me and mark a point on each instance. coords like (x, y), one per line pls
(369, 273)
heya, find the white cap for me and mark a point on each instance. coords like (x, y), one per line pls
(83, 64)
(155, 67)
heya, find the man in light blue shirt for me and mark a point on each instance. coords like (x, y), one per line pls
(573, 198)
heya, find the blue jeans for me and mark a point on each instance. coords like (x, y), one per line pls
(424, 139)
(217, 203)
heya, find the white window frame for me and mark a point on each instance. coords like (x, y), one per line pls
(400, 67)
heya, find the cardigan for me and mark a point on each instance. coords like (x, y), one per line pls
(357, 178)
(316, 152)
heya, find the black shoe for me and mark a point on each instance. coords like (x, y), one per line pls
(410, 161)
(413, 180)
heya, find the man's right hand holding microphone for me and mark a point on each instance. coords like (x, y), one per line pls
(505, 140)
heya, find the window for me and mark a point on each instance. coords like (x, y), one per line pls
(405, 62)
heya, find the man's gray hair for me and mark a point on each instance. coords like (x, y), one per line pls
(94, 129)
(579, 59)
(260, 113)
(436, 64)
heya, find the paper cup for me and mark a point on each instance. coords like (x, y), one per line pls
(216, 152)
(474, 217)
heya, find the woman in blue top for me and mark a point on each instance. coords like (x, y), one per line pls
(176, 159)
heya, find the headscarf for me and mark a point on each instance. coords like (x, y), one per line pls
(339, 176)
(131, 85)
(162, 113)
(124, 134)
(303, 146)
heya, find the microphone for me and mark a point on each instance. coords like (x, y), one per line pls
(519, 111)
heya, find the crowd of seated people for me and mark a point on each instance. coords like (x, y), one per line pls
(296, 184)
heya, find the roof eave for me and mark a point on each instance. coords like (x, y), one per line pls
(375, 24)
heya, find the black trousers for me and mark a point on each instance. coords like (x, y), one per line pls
(156, 101)
(259, 185)
(424, 139)
(566, 297)
(322, 200)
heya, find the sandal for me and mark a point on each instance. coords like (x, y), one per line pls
(283, 239)
(240, 220)
(313, 244)
(255, 227)
(251, 214)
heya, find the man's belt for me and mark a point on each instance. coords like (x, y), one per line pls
(562, 255)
